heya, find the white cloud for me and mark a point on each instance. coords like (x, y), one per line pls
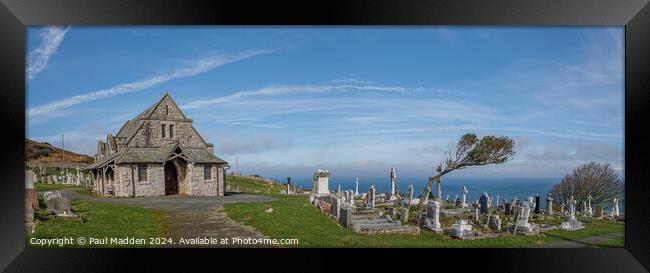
(199, 66)
(39, 57)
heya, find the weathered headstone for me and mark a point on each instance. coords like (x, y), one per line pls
(615, 211)
(57, 204)
(345, 219)
(336, 207)
(537, 199)
(589, 209)
(483, 201)
(403, 214)
(371, 197)
(476, 206)
(549, 204)
(31, 196)
(495, 222)
(507, 208)
(461, 229)
(432, 220)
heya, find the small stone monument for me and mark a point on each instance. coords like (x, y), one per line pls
(537, 203)
(321, 179)
(495, 222)
(497, 204)
(31, 196)
(477, 212)
(615, 211)
(371, 197)
(409, 195)
(464, 191)
(57, 204)
(356, 191)
(432, 220)
(572, 223)
(345, 219)
(336, 207)
(461, 229)
(549, 204)
(403, 214)
(507, 208)
(483, 201)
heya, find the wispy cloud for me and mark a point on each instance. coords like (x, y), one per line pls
(51, 38)
(198, 67)
(333, 86)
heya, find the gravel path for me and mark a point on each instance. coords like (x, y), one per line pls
(191, 217)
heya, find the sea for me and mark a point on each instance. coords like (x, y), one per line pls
(506, 188)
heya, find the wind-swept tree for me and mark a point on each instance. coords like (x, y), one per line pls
(595, 179)
(470, 151)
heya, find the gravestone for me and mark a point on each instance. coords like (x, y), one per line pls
(371, 197)
(432, 220)
(336, 207)
(615, 211)
(507, 208)
(409, 195)
(549, 204)
(57, 204)
(483, 201)
(476, 206)
(345, 219)
(537, 198)
(461, 229)
(464, 191)
(31, 195)
(495, 222)
(572, 223)
(29, 217)
(403, 214)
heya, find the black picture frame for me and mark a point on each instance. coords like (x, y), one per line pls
(15, 15)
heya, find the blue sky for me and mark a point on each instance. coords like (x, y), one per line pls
(355, 100)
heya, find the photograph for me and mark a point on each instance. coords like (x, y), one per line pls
(432, 136)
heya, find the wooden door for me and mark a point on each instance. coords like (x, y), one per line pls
(171, 182)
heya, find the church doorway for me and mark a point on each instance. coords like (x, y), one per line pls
(171, 179)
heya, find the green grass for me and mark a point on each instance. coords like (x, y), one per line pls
(99, 220)
(251, 186)
(42, 187)
(294, 217)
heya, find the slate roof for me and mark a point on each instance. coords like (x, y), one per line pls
(158, 155)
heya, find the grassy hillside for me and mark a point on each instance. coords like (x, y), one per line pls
(46, 153)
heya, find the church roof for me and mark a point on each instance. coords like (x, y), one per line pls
(157, 155)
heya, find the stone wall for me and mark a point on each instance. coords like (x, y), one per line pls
(197, 185)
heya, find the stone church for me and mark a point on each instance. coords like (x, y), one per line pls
(157, 153)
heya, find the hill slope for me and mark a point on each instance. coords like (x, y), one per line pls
(36, 152)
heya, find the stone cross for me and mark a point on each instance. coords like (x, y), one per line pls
(464, 191)
(549, 204)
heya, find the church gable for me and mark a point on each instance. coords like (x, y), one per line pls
(162, 123)
(167, 109)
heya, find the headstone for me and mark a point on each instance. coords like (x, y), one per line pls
(584, 207)
(57, 204)
(403, 214)
(483, 202)
(461, 229)
(392, 181)
(507, 208)
(321, 179)
(495, 222)
(549, 204)
(537, 198)
(476, 211)
(464, 191)
(615, 211)
(371, 197)
(345, 219)
(29, 217)
(336, 207)
(31, 196)
(338, 190)
(497, 204)
(409, 195)
(432, 220)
